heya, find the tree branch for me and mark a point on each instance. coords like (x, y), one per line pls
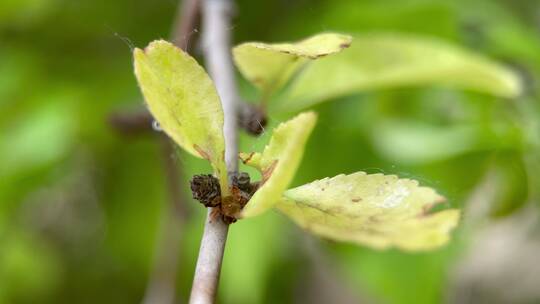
(161, 287)
(184, 24)
(217, 45)
(217, 49)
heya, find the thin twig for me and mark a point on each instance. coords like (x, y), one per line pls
(217, 50)
(134, 123)
(184, 24)
(161, 287)
(217, 43)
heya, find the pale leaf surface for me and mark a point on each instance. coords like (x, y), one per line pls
(278, 162)
(269, 66)
(183, 100)
(378, 61)
(375, 210)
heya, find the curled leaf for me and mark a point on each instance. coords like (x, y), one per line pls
(183, 100)
(278, 162)
(377, 61)
(269, 66)
(376, 210)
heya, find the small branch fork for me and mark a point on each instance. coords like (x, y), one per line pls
(217, 44)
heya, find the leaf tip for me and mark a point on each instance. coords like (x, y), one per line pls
(137, 52)
(250, 159)
(157, 44)
(309, 117)
(515, 86)
(346, 41)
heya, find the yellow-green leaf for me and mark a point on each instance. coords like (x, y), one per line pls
(269, 66)
(278, 162)
(183, 100)
(376, 210)
(377, 61)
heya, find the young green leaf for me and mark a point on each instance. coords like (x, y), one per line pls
(183, 100)
(278, 162)
(269, 66)
(377, 61)
(376, 210)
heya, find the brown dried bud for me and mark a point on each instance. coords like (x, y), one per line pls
(205, 189)
(241, 191)
(242, 181)
(252, 119)
(230, 208)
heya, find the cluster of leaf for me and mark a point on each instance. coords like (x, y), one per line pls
(491, 133)
(374, 61)
(80, 206)
(375, 210)
(378, 61)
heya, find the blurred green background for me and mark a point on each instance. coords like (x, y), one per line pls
(83, 207)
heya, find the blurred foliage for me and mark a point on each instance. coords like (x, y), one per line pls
(390, 60)
(80, 205)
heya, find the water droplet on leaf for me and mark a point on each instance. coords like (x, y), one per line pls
(156, 126)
